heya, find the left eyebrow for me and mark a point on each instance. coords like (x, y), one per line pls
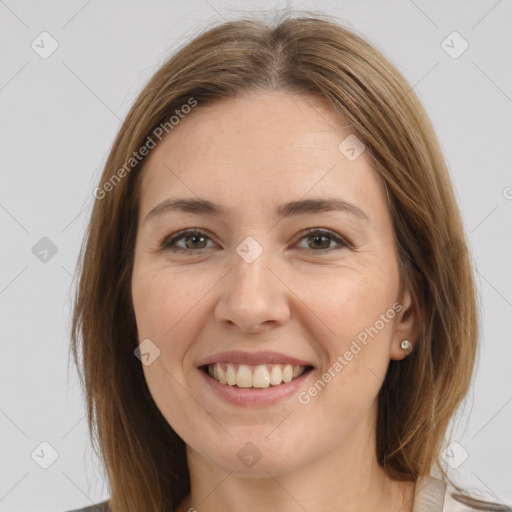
(200, 206)
(318, 206)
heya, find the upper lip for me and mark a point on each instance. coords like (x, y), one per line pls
(255, 358)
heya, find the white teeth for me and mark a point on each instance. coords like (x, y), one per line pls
(230, 375)
(244, 377)
(288, 373)
(276, 376)
(221, 374)
(261, 376)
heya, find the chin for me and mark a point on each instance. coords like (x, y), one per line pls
(255, 455)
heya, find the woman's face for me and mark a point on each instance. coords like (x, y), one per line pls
(274, 282)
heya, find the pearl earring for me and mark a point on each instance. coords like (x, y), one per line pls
(406, 345)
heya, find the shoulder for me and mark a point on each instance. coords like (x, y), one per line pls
(98, 507)
(434, 495)
(456, 501)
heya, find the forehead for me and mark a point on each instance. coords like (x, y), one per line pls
(267, 147)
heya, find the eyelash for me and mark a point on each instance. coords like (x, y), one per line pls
(168, 244)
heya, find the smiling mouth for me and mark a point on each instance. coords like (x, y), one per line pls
(254, 376)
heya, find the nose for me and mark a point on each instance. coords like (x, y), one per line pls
(253, 298)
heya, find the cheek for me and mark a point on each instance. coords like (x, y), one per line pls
(166, 309)
(170, 309)
(348, 305)
(358, 312)
(163, 301)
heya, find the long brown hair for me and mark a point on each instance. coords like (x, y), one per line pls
(145, 460)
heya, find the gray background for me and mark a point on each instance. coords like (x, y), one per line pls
(59, 116)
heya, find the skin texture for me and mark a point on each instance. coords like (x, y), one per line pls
(250, 155)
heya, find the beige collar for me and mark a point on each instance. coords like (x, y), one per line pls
(429, 495)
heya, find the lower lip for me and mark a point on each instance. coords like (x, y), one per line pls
(256, 396)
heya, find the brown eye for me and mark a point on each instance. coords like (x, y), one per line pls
(318, 240)
(321, 239)
(192, 240)
(196, 241)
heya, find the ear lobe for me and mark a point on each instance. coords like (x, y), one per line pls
(407, 326)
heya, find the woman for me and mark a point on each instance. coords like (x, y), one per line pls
(276, 306)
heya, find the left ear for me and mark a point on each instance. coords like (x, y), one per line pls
(406, 328)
